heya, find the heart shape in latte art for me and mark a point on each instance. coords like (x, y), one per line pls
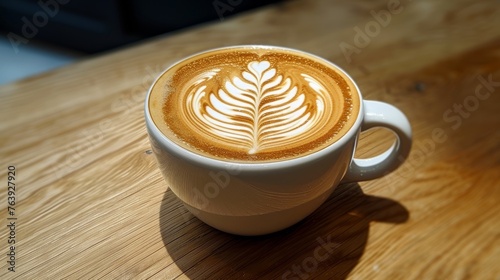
(260, 109)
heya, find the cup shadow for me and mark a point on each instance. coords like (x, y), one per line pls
(327, 244)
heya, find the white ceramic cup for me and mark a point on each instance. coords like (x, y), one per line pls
(264, 197)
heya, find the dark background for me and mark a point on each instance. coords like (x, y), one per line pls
(92, 26)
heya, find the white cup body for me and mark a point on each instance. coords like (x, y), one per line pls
(252, 199)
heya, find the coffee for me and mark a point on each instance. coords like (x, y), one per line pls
(252, 104)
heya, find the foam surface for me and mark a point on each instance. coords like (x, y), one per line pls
(253, 104)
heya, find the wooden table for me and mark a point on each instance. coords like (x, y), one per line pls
(90, 202)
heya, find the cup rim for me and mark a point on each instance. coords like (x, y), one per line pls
(221, 164)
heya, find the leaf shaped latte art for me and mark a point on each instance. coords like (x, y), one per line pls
(259, 109)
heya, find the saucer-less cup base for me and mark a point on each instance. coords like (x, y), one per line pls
(260, 224)
(261, 198)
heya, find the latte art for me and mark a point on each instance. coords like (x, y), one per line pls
(252, 104)
(259, 110)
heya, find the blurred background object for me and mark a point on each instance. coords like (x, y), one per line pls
(69, 29)
(30, 59)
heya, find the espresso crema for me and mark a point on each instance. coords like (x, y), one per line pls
(252, 104)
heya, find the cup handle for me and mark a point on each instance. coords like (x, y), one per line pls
(380, 114)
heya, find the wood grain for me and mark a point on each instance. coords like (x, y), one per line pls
(91, 202)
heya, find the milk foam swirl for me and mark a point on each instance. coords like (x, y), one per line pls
(253, 104)
(258, 110)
